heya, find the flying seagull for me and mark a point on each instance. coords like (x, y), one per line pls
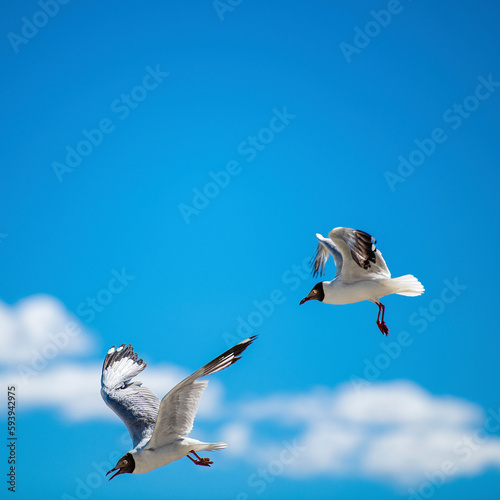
(362, 273)
(158, 429)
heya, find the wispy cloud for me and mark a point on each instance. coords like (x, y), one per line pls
(72, 390)
(39, 327)
(56, 363)
(392, 431)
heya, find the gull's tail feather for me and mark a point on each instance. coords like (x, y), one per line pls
(406, 285)
(211, 446)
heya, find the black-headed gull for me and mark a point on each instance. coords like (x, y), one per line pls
(158, 429)
(362, 273)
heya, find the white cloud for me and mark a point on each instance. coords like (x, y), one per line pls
(39, 337)
(401, 402)
(394, 431)
(37, 329)
(237, 435)
(329, 447)
(73, 390)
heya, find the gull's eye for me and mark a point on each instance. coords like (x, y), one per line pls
(125, 462)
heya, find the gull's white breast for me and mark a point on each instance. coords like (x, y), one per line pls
(147, 459)
(338, 292)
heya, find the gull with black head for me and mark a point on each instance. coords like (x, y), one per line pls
(362, 273)
(158, 430)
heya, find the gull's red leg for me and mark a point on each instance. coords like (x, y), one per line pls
(201, 461)
(380, 322)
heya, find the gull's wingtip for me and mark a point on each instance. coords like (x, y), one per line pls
(247, 341)
(115, 356)
(239, 348)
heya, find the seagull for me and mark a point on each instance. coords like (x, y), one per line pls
(158, 429)
(362, 273)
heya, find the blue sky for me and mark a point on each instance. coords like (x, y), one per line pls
(165, 170)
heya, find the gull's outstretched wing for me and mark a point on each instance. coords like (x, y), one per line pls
(178, 407)
(135, 404)
(325, 248)
(361, 258)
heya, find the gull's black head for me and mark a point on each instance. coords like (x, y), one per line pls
(126, 464)
(317, 293)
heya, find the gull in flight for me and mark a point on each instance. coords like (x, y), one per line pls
(158, 429)
(362, 273)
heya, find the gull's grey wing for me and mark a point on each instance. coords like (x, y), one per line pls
(360, 256)
(178, 407)
(135, 404)
(325, 248)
